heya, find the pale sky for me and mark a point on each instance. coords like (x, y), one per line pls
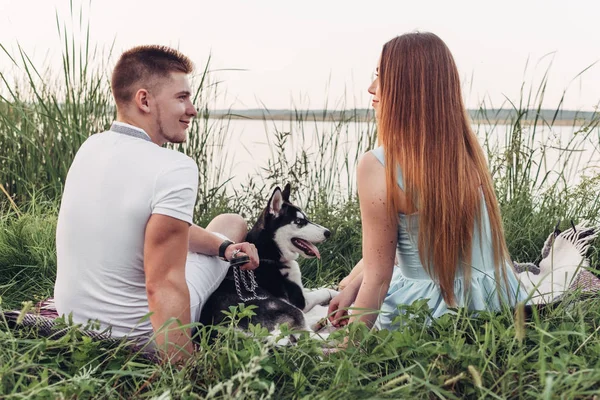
(309, 53)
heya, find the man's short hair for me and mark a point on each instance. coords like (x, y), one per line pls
(142, 66)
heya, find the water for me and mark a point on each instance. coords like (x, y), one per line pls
(332, 149)
(563, 153)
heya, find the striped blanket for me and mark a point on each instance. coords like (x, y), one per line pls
(564, 266)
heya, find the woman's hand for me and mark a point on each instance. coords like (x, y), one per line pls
(345, 282)
(353, 274)
(338, 306)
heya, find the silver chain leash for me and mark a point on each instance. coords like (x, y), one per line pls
(250, 287)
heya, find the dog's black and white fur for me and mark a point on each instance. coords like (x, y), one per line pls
(281, 234)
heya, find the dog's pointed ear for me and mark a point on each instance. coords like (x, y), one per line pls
(286, 193)
(275, 202)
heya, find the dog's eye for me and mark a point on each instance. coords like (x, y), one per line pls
(300, 221)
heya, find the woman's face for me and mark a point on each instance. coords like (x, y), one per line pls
(375, 91)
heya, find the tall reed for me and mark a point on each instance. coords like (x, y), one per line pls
(45, 116)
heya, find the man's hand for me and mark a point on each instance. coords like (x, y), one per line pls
(240, 250)
(205, 241)
(165, 253)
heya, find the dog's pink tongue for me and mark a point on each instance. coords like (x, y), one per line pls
(313, 248)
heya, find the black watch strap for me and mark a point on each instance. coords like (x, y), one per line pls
(224, 247)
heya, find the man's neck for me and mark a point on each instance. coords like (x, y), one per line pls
(140, 124)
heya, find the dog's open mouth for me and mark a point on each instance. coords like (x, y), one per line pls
(309, 249)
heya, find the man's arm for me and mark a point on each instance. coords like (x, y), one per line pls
(165, 253)
(205, 242)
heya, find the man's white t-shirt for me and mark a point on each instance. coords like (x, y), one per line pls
(116, 182)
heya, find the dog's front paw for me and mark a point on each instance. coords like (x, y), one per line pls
(332, 293)
(320, 324)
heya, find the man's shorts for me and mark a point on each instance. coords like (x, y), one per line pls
(203, 274)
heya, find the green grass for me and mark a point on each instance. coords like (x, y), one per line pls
(488, 356)
(44, 118)
(491, 355)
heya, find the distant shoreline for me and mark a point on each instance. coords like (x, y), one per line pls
(478, 117)
(558, 122)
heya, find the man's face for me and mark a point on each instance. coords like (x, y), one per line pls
(173, 107)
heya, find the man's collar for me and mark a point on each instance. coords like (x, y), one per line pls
(130, 130)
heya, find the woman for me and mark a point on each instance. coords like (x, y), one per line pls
(427, 194)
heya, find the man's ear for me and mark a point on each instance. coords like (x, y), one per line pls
(141, 99)
(275, 202)
(286, 193)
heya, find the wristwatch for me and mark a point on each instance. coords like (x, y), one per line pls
(224, 247)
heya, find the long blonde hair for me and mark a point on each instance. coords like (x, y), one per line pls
(424, 128)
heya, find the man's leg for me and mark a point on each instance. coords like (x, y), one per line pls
(231, 225)
(204, 273)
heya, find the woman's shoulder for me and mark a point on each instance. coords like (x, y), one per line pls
(374, 160)
(369, 170)
(378, 153)
(370, 161)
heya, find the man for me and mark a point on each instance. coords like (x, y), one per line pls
(125, 221)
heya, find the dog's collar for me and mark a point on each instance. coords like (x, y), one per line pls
(129, 131)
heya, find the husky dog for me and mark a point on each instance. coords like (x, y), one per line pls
(281, 234)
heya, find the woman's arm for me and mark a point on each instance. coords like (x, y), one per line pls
(379, 239)
(353, 274)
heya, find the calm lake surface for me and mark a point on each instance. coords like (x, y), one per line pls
(560, 152)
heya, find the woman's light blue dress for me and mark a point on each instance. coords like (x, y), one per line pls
(410, 281)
